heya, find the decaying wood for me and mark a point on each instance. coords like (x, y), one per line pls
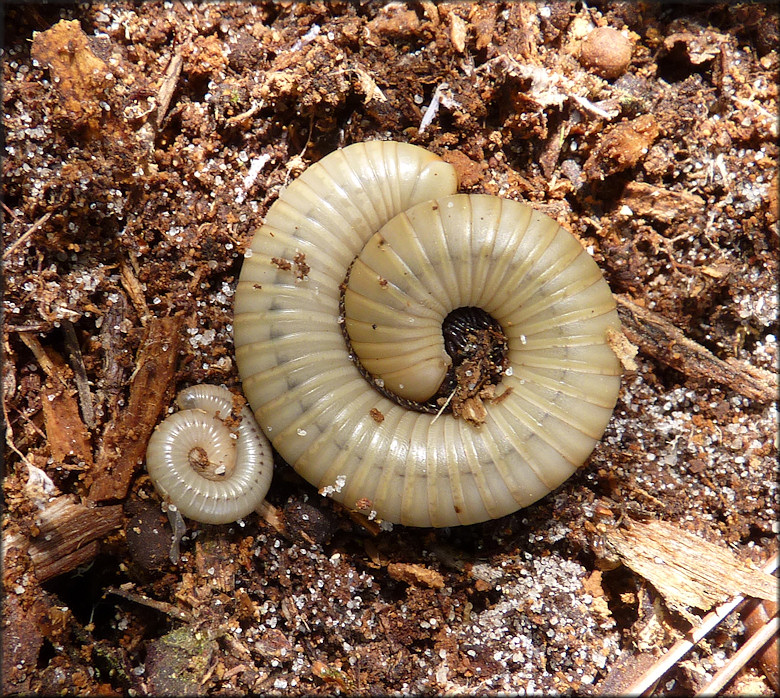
(676, 652)
(79, 373)
(661, 340)
(136, 292)
(125, 439)
(660, 203)
(167, 88)
(22, 641)
(113, 369)
(67, 535)
(416, 575)
(66, 434)
(687, 570)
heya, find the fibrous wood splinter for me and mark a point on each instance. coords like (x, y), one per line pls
(210, 472)
(391, 253)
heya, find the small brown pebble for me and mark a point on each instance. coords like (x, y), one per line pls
(606, 51)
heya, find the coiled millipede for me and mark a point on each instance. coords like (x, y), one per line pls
(212, 471)
(475, 304)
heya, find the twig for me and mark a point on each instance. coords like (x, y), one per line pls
(35, 226)
(42, 357)
(134, 290)
(682, 646)
(79, 372)
(151, 603)
(444, 406)
(660, 339)
(256, 107)
(741, 657)
(167, 88)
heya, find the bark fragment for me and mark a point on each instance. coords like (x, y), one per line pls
(125, 439)
(687, 570)
(660, 339)
(67, 535)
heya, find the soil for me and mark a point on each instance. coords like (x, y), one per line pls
(144, 143)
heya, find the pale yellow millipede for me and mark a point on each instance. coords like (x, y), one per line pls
(343, 357)
(214, 468)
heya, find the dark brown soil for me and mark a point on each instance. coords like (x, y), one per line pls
(144, 143)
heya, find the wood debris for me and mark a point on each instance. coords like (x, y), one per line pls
(125, 438)
(66, 434)
(80, 77)
(621, 147)
(416, 575)
(661, 340)
(660, 203)
(66, 535)
(167, 88)
(624, 350)
(687, 570)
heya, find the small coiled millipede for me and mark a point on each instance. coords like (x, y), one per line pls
(212, 473)
(422, 252)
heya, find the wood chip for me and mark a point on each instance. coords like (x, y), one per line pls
(661, 204)
(67, 537)
(621, 147)
(458, 32)
(125, 438)
(135, 291)
(76, 361)
(66, 434)
(661, 340)
(623, 349)
(79, 77)
(687, 570)
(167, 88)
(416, 575)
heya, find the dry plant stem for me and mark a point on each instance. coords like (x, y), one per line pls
(35, 226)
(741, 657)
(135, 291)
(41, 356)
(144, 600)
(660, 339)
(79, 373)
(167, 88)
(682, 646)
(179, 528)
